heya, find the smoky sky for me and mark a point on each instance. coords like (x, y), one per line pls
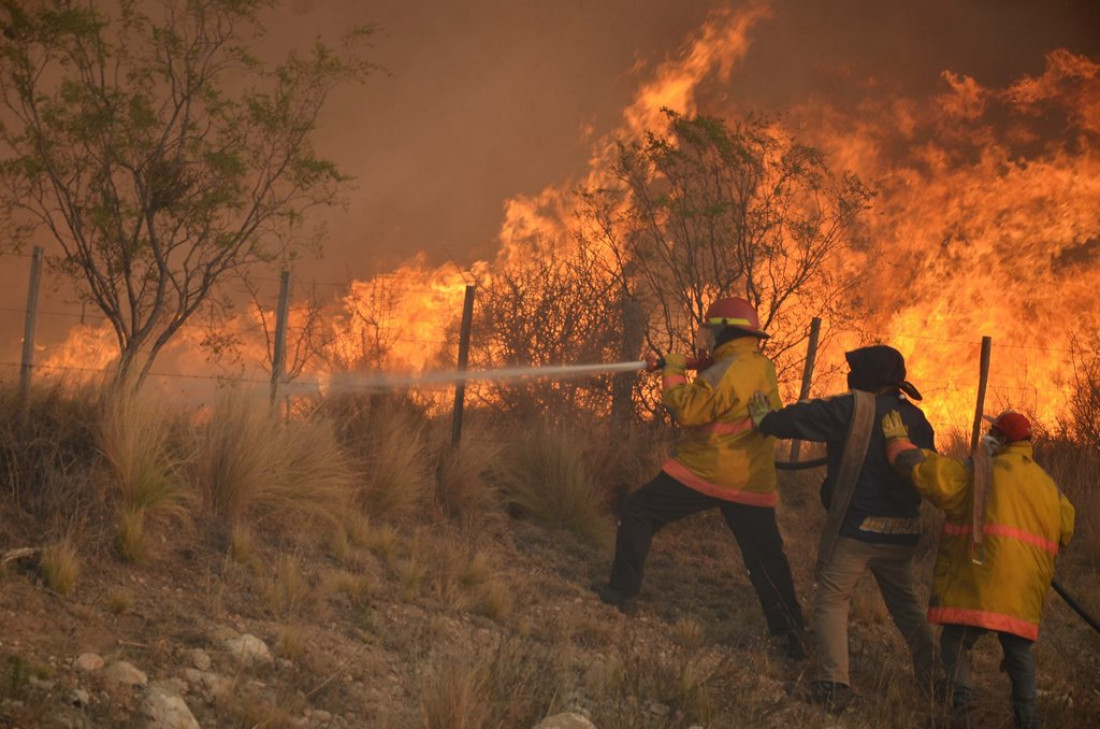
(487, 99)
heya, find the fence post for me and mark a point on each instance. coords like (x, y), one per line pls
(983, 380)
(807, 375)
(27, 362)
(463, 359)
(278, 360)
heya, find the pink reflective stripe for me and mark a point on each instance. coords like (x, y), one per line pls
(1001, 530)
(689, 478)
(670, 381)
(984, 619)
(717, 428)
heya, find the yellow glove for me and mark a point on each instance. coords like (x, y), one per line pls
(893, 427)
(675, 362)
(759, 406)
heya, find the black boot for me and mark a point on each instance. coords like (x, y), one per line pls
(1025, 715)
(626, 604)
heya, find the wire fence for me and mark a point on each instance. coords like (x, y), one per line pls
(59, 312)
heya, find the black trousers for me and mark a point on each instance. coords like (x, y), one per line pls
(665, 500)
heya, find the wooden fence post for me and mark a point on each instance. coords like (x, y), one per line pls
(463, 359)
(983, 381)
(807, 375)
(26, 365)
(278, 359)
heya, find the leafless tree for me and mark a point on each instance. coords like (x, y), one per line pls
(715, 208)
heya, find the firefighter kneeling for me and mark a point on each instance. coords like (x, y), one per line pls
(1005, 520)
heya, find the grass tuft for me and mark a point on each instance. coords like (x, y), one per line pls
(546, 479)
(61, 566)
(145, 472)
(248, 464)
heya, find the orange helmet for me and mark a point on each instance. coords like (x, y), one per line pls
(734, 312)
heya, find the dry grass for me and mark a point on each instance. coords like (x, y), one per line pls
(144, 470)
(48, 455)
(290, 642)
(462, 488)
(287, 592)
(546, 478)
(131, 535)
(503, 685)
(119, 602)
(387, 437)
(453, 697)
(61, 566)
(248, 464)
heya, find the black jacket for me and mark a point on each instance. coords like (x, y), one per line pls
(885, 507)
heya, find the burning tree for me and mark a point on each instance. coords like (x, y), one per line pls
(712, 208)
(158, 153)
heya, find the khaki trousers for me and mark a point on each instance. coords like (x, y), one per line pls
(892, 567)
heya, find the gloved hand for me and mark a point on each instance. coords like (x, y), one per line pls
(893, 427)
(675, 362)
(759, 406)
(654, 362)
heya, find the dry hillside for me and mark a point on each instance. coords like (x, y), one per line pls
(348, 568)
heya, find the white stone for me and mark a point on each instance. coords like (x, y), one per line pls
(125, 674)
(211, 684)
(200, 659)
(568, 720)
(87, 662)
(167, 711)
(249, 649)
(80, 697)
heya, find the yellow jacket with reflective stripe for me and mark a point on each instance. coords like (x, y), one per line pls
(720, 453)
(1027, 519)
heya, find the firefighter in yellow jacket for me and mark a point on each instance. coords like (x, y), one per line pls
(1004, 522)
(720, 462)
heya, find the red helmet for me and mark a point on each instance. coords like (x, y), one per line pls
(1011, 426)
(734, 312)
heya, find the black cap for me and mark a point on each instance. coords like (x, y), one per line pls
(876, 367)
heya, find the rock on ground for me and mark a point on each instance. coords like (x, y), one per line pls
(568, 720)
(167, 711)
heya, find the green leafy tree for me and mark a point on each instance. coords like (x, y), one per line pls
(158, 152)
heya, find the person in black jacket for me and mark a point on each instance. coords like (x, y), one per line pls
(874, 517)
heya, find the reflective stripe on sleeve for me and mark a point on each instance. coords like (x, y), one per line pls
(670, 381)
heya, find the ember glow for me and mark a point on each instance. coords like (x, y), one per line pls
(986, 223)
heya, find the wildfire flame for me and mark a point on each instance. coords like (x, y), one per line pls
(986, 223)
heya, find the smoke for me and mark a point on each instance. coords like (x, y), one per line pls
(489, 108)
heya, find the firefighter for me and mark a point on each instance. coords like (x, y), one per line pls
(720, 462)
(873, 520)
(1004, 523)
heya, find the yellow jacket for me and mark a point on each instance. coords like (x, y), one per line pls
(720, 453)
(1027, 519)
